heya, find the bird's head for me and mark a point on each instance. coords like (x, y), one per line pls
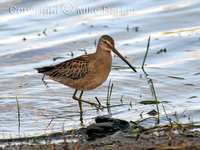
(107, 44)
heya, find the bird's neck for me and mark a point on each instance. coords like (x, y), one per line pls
(103, 57)
(103, 53)
(102, 50)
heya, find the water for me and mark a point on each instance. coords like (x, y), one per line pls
(31, 38)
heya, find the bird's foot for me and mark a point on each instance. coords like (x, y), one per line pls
(87, 102)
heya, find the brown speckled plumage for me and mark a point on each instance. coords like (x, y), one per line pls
(74, 69)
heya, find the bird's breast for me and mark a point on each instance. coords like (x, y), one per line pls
(100, 71)
(104, 67)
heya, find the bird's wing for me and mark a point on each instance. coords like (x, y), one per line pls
(74, 69)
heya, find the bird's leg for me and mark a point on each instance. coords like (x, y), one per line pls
(80, 104)
(91, 103)
(45, 83)
(80, 107)
(74, 95)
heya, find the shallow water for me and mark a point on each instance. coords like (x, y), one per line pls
(32, 38)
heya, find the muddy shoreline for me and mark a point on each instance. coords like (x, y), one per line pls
(109, 133)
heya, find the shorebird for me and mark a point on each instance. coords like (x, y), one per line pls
(85, 72)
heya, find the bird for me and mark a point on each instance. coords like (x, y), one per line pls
(85, 72)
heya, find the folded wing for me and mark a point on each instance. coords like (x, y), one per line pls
(73, 69)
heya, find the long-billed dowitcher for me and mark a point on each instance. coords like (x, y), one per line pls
(85, 72)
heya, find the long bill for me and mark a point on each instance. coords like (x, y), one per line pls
(118, 54)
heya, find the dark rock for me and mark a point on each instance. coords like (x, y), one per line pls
(117, 123)
(105, 126)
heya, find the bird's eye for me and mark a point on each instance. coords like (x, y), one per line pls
(107, 43)
(104, 41)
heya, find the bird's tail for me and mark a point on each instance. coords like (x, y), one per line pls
(44, 69)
